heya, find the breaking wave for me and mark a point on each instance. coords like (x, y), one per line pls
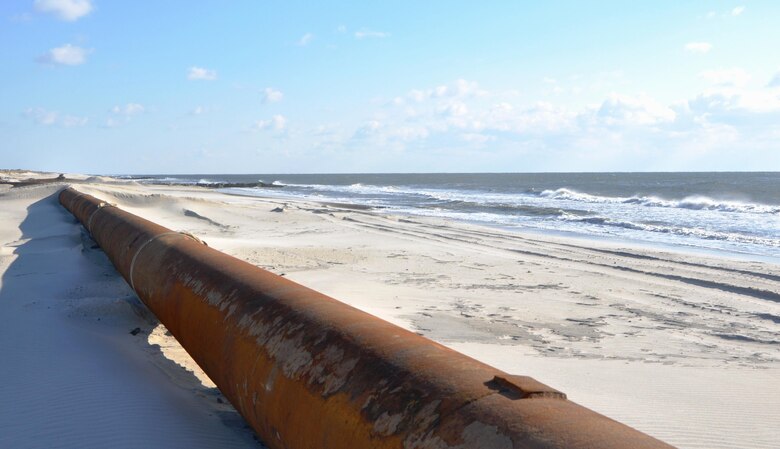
(696, 202)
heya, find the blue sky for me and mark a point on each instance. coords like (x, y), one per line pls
(300, 87)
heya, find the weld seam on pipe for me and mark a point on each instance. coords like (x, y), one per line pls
(74, 198)
(135, 256)
(92, 215)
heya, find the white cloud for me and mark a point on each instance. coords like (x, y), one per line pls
(417, 95)
(371, 125)
(365, 34)
(477, 138)
(459, 109)
(128, 109)
(775, 81)
(341, 29)
(409, 133)
(69, 10)
(271, 95)
(618, 131)
(305, 39)
(459, 89)
(734, 12)
(641, 110)
(50, 118)
(42, 116)
(276, 123)
(71, 120)
(120, 114)
(698, 47)
(66, 55)
(453, 109)
(730, 100)
(324, 130)
(368, 129)
(759, 101)
(726, 77)
(111, 123)
(199, 73)
(542, 117)
(199, 110)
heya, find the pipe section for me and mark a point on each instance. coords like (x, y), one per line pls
(309, 372)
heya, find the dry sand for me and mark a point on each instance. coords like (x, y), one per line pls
(683, 347)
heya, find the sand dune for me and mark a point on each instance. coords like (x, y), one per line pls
(684, 347)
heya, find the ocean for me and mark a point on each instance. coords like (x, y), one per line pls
(734, 214)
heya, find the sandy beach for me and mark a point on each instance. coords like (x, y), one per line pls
(683, 347)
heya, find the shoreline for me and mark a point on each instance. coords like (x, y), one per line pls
(654, 339)
(617, 241)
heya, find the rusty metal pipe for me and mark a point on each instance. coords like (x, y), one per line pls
(309, 372)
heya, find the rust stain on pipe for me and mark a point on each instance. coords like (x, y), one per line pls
(309, 372)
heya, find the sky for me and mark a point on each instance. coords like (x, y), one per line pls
(144, 87)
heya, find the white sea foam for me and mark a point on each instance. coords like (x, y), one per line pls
(696, 202)
(676, 230)
(357, 188)
(696, 220)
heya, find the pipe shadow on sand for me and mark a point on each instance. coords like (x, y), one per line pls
(71, 332)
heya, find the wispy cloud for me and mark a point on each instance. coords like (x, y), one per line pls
(461, 117)
(369, 34)
(69, 10)
(734, 12)
(735, 77)
(271, 95)
(23, 17)
(128, 110)
(72, 120)
(477, 138)
(111, 122)
(120, 114)
(459, 89)
(775, 81)
(698, 47)
(367, 129)
(619, 126)
(305, 39)
(199, 73)
(453, 109)
(45, 117)
(626, 110)
(65, 55)
(275, 123)
(42, 116)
